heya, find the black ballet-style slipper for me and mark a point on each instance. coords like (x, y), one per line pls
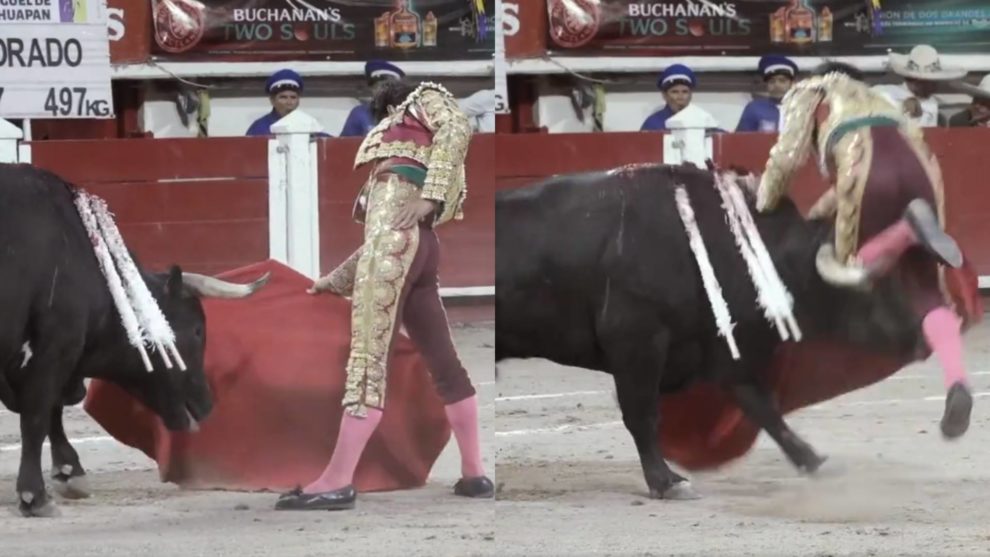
(479, 487)
(336, 500)
(958, 407)
(924, 222)
(295, 492)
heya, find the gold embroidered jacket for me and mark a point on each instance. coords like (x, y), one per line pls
(437, 109)
(846, 99)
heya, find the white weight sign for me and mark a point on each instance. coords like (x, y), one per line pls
(54, 59)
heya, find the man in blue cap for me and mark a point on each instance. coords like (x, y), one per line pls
(283, 88)
(360, 120)
(763, 114)
(677, 83)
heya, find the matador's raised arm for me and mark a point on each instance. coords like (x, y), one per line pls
(794, 143)
(451, 129)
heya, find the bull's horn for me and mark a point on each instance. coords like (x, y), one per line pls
(215, 288)
(846, 276)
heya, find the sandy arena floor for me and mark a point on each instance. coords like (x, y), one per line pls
(132, 514)
(571, 483)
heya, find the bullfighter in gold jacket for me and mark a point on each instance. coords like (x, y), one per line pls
(886, 185)
(416, 155)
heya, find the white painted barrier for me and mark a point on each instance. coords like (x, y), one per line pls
(10, 138)
(293, 194)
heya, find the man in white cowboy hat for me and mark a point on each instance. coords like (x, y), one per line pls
(978, 111)
(922, 71)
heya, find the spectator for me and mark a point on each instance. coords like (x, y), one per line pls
(677, 83)
(284, 88)
(360, 120)
(978, 111)
(922, 71)
(480, 110)
(763, 114)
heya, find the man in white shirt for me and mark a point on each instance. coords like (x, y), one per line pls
(922, 71)
(480, 109)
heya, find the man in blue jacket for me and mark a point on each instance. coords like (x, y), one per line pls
(677, 83)
(284, 88)
(360, 121)
(763, 114)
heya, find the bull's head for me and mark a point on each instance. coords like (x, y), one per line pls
(879, 318)
(182, 398)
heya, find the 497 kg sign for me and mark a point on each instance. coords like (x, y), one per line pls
(54, 64)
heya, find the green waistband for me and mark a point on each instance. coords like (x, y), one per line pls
(856, 123)
(414, 174)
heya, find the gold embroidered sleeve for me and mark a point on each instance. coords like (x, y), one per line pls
(340, 281)
(793, 145)
(451, 138)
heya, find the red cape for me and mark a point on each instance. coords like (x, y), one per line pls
(275, 363)
(702, 428)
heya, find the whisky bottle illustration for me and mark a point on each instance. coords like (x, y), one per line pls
(381, 31)
(825, 26)
(430, 30)
(799, 21)
(404, 27)
(777, 34)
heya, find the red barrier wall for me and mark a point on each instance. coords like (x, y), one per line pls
(201, 203)
(962, 153)
(468, 256)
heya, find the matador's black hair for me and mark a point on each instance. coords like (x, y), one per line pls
(391, 93)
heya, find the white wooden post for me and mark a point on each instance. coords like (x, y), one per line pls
(687, 141)
(10, 137)
(293, 194)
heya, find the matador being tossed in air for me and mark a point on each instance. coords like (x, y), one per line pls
(887, 201)
(416, 154)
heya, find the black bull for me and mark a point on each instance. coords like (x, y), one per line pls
(595, 271)
(55, 301)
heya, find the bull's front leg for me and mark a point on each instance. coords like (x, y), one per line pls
(68, 475)
(758, 406)
(636, 365)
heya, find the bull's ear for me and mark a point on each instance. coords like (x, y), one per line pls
(173, 284)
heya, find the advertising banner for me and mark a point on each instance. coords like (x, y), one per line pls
(338, 30)
(525, 26)
(756, 27)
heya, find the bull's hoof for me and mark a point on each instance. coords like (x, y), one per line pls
(829, 469)
(44, 507)
(76, 487)
(812, 465)
(680, 491)
(958, 407)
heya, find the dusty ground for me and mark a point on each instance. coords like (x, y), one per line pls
(132, 514)
(572, 484)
